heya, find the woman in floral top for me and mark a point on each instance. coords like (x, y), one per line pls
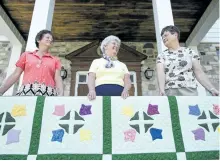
(178, 68)
(41, 70)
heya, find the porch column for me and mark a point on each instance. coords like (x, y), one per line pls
(163, 16)
(200, 88)
(41, 19)
(8, 30)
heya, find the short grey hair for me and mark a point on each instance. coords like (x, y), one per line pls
(107, 40)
(172, 29)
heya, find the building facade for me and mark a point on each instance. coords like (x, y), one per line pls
(12, 44)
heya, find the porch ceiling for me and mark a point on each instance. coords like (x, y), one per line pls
(88, 20)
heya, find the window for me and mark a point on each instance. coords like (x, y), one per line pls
(82, 78)
(132, 78)
(81, 88)
(133, 90)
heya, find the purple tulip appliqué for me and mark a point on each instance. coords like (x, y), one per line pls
(85, 110)
(199, 134)
(13, 136)
(152, 109)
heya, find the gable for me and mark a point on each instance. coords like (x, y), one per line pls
(92, 51)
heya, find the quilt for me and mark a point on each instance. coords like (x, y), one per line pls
(109, 128)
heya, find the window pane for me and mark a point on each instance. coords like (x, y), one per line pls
(132, 78)
(82, 78)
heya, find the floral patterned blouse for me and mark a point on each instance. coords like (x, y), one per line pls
(178, 67)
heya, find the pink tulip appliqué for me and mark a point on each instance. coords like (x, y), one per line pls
(59, 110)
(130, 135)
(216, 109)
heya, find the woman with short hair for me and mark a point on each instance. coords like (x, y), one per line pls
(178, 67)
(107, 75)
(41, 70)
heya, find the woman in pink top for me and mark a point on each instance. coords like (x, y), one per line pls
(41, 70)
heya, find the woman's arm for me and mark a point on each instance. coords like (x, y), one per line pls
(91, 81)
(91, 86)
(161, 78)
(127, 82)
(202, 78)
(59, 83)
(10, 80)
(127, 86)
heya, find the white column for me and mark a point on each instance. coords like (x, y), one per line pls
(16, 43)
(163, 16)
(15, 54)
(41, 19)
(200, 88)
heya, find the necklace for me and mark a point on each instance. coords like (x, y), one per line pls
(39, 63)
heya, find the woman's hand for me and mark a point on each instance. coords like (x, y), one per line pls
(91, 95)
(214, 92)
(60, 94)
(125, 94)
(127, 86)
(162, 93)
(10, 80)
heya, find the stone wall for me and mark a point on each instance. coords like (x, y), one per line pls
(209, 60)
(5, 53)
(209, 54)
(149, 86)
(60, 49)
